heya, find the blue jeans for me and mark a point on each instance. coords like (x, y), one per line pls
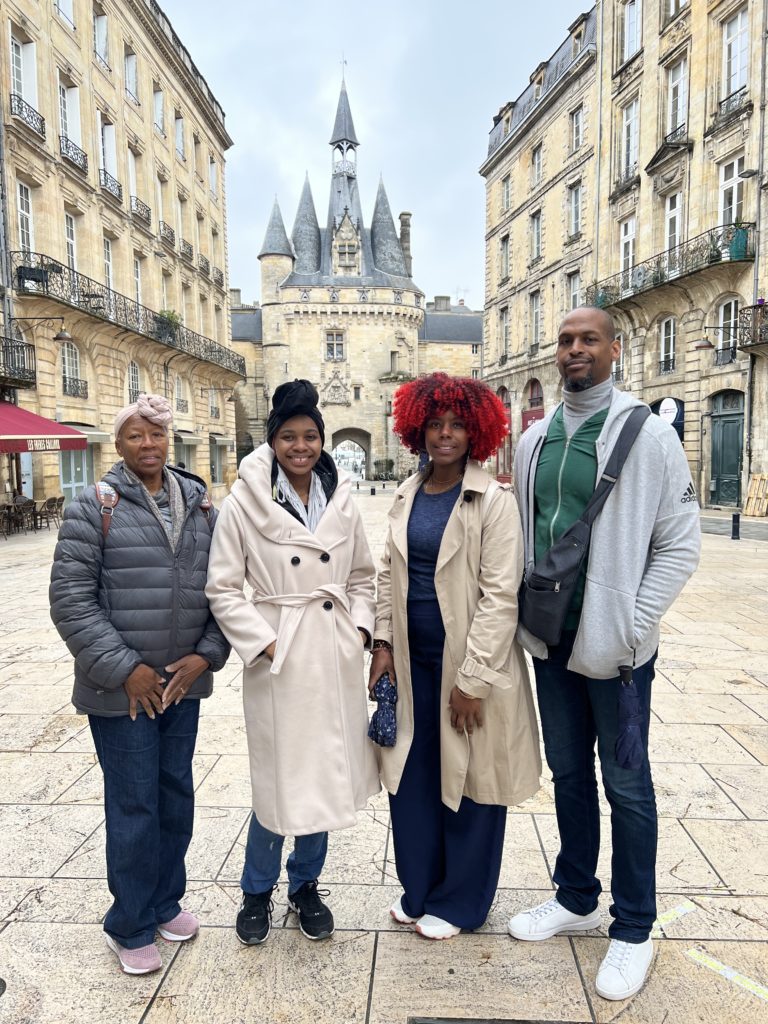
(575, 712)
(263, 854)
(149, 804)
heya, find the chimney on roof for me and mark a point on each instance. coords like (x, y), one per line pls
(442, 303)
(405, 241)
(235, 296)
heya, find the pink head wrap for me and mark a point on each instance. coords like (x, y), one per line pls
(154, 408)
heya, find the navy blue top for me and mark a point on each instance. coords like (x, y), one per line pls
(429, 515)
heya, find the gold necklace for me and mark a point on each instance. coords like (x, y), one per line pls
(446, 485)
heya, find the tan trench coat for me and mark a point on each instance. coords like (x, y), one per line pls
(478, 573)
(306, 712)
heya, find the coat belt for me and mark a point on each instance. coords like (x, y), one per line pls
(292, 608)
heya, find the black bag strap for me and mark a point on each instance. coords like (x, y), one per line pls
(615, 463)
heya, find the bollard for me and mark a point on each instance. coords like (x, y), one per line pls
(358, 485)
(383, 487)
(735, 524)
(373, 490)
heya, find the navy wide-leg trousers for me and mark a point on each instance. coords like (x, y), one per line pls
(448, 862)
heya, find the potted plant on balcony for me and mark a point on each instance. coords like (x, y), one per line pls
(738, 244)
(714, 255)
(167, 322)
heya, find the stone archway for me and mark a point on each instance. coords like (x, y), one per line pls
(360, 437)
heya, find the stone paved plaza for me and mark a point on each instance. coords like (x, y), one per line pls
(709, 741)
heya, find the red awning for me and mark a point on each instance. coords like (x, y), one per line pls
(23, 431)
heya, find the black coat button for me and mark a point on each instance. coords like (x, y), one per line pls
(325, 557)
(295, 560)
(467, 496)
(327, 605)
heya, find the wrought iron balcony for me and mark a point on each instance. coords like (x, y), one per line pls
(110, 185)
(724, 356)
(182, 405)
(131, 95)
(167, 234)
(140, 210)
(41, 275)
(17, 364)
(731, 104)
(218, 277)
(72, 152)
(203, 264)
(679, 134)
(753, 325)
(215, 412)
(74, 387)
(626, 175)
(667, 365)
(31, 118)
(185, 248)
(726, 243)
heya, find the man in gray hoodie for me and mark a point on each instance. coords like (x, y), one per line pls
(644, 546)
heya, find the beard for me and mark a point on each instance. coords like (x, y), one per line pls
(579, 384)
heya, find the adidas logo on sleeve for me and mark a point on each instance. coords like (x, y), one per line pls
(690, 495)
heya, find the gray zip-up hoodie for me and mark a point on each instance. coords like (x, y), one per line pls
(645, 543)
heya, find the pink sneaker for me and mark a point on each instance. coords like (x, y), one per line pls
(143, 960)
(181, 928)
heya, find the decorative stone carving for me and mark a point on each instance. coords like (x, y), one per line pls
(335, 391)
(629, 72)
(670, 179)
(678, 30)
(304, 295)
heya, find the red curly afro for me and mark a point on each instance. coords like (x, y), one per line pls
(471, 400)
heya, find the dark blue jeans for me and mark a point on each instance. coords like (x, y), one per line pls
(149, 804)
(575, 712)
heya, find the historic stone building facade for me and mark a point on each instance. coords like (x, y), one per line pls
(674, 194)
(114, 229)
(339, 306)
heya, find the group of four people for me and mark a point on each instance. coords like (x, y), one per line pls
(149, 597)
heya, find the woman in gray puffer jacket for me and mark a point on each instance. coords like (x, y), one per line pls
(128, 597)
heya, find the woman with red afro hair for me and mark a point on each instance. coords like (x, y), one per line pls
(467, 741)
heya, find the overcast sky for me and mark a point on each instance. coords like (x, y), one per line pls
(424, 78)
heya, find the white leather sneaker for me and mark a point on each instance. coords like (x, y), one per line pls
(396, 911)
(432, 927)
(624, 969)
(550, 919)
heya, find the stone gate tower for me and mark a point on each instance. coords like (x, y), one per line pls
(338, 304)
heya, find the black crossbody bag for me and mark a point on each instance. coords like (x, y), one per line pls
(547, 590)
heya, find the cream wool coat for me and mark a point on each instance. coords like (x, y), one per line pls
(479, 568)
(312, 764)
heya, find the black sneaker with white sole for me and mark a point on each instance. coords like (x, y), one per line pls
(254, 919)
(315, 919)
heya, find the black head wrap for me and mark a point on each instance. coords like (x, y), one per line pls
(294, 398)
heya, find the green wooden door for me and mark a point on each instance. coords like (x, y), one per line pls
(727, 439)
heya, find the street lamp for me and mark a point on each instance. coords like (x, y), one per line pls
(60, 335)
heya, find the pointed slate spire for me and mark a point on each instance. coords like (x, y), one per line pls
(387, 253)
(306, 234)
(276, 239)
(343, 128)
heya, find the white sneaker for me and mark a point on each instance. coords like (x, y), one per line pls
(624, 969)
(396, 911)
(550, 919)
(432, 927)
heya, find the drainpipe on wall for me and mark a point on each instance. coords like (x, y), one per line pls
(598, 161)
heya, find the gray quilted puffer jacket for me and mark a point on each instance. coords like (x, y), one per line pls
(130, 599)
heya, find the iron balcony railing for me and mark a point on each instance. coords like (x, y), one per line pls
(185, 248)
(72, 152)
(732, 103)
(74, 387)
(218, 277)
(626, 174)
(101, 61)
(203, 264)
(728, 242)
(38, 274)
(140, 210)
(167, 234)
(667, 365)
(17, 363)
(110, 185)
(724, 356)
(679, 134)
(31, 118)
(753, 325)
(182, 405)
